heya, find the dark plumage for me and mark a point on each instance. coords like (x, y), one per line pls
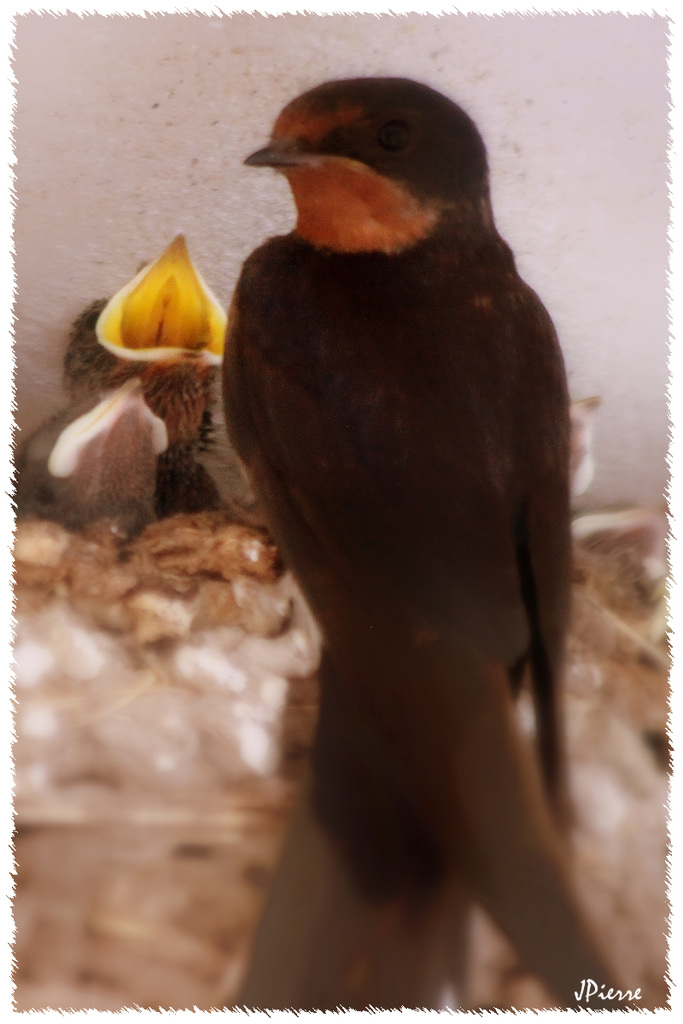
(398, 396)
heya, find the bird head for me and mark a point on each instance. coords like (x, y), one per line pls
(166, 313)
(375, 163)
(94, 461)
(102, 420)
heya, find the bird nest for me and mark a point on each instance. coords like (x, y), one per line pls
(166, 702)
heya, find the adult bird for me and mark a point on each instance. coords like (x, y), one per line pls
(398, 397)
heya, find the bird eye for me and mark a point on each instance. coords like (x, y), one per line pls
(394, 135)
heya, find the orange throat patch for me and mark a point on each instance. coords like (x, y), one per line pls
(346, 206)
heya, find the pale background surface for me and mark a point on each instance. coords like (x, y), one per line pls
(129, 130)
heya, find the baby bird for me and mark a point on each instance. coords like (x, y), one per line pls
(166, 328)
(164, 331)
(94, 461)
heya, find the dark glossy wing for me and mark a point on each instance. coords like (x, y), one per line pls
(404, 422)
(427, 459)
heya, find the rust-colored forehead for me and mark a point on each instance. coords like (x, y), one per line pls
(299, 121)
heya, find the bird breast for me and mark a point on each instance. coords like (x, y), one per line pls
(345, 206)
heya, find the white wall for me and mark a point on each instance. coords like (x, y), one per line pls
(129, 130)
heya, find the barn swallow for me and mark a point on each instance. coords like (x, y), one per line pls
(95, 461)
(166, 328)
(398, 397)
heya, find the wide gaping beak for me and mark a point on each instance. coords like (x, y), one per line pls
(166, 312)
(282, 153)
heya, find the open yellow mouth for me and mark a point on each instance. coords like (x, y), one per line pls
(166, 312)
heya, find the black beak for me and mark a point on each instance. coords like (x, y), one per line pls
(280, 153)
